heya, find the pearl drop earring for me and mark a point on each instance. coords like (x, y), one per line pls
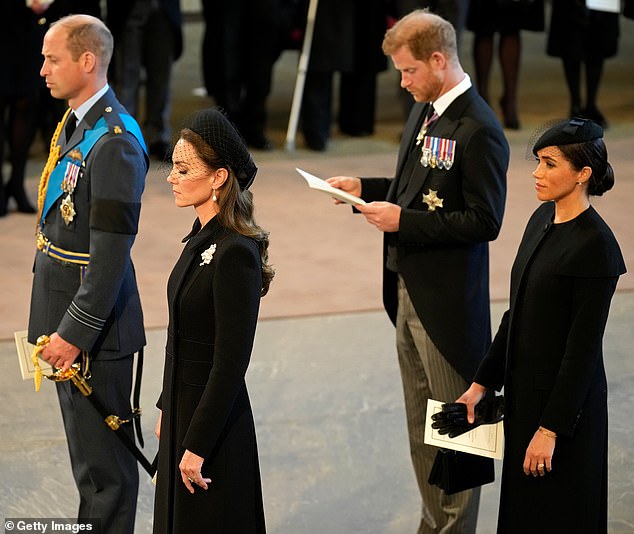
(214, 197)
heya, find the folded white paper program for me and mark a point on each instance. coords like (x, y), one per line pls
(484, 440)
(25, 350)
(321, 185)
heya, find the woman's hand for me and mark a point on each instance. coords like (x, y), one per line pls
(157, 428)
(190, 467)
(471, 397)
(539, 454)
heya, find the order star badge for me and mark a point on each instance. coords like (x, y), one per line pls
(67, 209)
(432, 200)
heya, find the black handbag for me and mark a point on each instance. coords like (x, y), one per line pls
(455, 471)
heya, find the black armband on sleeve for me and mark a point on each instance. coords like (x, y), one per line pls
(115, 216)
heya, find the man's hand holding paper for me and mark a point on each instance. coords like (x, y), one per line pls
(348, 184)
(384, 215)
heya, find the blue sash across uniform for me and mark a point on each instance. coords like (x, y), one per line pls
(54, 189)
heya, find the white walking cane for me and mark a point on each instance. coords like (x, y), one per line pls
(298, 93)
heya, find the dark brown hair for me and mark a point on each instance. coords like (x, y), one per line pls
(593, 154)
(236, 205)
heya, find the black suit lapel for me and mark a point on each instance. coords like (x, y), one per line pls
(198, 243)
(408, 139)
(444, 127)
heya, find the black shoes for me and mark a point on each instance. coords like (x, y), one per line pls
(511, 120)
(589, 112)
(3, 202)
(315, 142)
(23, 203)
(259, 142)
(593, 113)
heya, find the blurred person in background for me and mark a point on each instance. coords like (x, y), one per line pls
(583, 37)
(148, 39)
(506, 18)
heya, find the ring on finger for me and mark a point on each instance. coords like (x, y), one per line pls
(540, 466)
(190, 479)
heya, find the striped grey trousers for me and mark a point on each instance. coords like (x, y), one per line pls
(427, 375)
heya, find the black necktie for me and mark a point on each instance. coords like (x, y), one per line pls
(71, 124)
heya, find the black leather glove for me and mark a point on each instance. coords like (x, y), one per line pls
(452, 420)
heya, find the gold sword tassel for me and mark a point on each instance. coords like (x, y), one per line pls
(42, 341)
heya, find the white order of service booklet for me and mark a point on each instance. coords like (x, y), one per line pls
(321, 185)
(484, 440)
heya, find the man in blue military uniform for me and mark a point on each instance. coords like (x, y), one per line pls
(84, 295)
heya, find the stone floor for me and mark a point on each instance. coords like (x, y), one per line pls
(331, 430)
(324, 379)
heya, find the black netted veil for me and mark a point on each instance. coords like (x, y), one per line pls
(222, 136)
(562, 132)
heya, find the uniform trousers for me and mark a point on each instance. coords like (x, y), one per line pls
(146, 42)
(426, 374)
(105, 471)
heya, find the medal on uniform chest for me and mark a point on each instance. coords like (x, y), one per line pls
(67, 209)
(438, 152)
(450, 153)
(433, 158)
(432, 200)
(71, 175)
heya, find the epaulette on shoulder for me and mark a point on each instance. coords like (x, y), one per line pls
(114, 122)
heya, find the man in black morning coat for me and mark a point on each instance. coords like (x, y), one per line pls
(85, 295)
(438, 213)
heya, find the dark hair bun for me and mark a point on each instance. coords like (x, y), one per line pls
(597, 185)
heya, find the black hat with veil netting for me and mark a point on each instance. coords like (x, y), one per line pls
(565, 132)
(213, 126)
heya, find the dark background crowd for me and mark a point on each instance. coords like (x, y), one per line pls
(242, 41)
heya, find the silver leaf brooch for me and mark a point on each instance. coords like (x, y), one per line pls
(208, 255)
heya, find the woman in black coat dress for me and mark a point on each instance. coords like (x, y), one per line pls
(548, 350)
(208, 477)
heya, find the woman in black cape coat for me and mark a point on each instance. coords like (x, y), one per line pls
(548, 350)
(208, 477)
